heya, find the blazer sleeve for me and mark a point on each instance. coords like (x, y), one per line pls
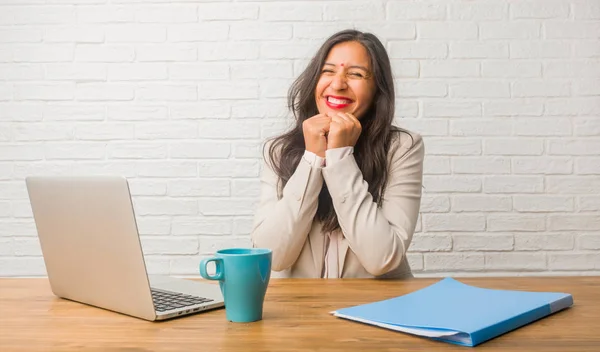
(282, 221)
(379, 236)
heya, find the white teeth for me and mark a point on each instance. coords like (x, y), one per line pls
(338, 101)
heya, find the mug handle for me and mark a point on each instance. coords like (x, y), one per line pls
(219, 266)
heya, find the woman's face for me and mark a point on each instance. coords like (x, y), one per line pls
(346, 83)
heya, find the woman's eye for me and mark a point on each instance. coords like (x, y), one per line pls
(327, 71)
(356, 74)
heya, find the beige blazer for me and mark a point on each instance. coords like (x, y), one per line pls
(375, 239)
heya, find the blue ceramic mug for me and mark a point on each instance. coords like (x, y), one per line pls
(243, 275)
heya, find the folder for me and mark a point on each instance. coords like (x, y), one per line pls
(457, 313)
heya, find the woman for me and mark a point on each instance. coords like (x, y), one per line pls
(340, 192)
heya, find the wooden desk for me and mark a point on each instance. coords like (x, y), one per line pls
(296, 318)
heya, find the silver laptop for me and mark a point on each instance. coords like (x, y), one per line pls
(92, 251)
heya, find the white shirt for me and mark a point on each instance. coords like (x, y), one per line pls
(331, 268)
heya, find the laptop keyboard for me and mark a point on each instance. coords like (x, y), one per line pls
(167, 300)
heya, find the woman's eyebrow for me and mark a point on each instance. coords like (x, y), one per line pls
(352, 66)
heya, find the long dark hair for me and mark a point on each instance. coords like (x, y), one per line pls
(373, 144)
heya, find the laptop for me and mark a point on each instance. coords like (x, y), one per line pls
(93, 255)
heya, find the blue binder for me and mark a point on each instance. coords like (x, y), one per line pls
(454, 312)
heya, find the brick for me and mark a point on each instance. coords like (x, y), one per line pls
(572, 106)
(453, 222)
(353, 10)
(586, 87)
(246, 188)
(17, 228)
(539, 9)
(137, 72)
(166, 52)
(74, 34)
(22, 266)
(515, 222)
(407, 108)
(573, 147)
(42, 132)
(186, 226)
(449, 68)
(431, 243)
(573, 184)
(237, 90)
(157, 265)
(513, 146)
(587, 166)
(508, 30)
(589, 203)
(227, 12)
(165, 206)
(137, 113)
(454, 261)
(543, 242)
(169, 245)
(167, 92)
(272, 128)
(43, 15)
(166, 14)
(509, 69)
(296, 50)
(426, 127)
(24, 169)
(251, 150)
(184, 264)
(21, 35)
(228, 51)
(481, 127)
(572, 69)
(435, 204)
(229, 168)
(125, 169)
(415, 261)
(261, 70)
(571, 29)
(200, 110)
(417, 50)
(538, 127)
(547, 49)
(228, 206)
(140, 187)
(166, 130)
(454, 146)
(105, 14)
(480, 203)
(274, 88)
(515, 261)
(513, 184)
(534, 203)
(573, 222)
(75, 150)
(482, 243)
(45, 91)
(481, 165)
(210, 245)
(105, 91)
(242, 226)
(260, 31)
(76, 72)
(19, 112)
(135, 33)
(12, 190)
(137, 150)
(478, 50)
(405, 68)
(387, 30)
(14, 152)
(585, 49)
(513, 107)
(447, 30)
(401, 11)
(6, 247)
(167, 169)
(573, 261)
(589, 241)
(20, 72)
(474, 11)
(199, 188)
(479, 89)
(451, 184)
(451, 109)
(586, 9)
(104, 53)
(436, 165)
(318, 30)
(406, 88)
(27, 247)
(291, 12)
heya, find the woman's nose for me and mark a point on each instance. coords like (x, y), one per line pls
(339, 82)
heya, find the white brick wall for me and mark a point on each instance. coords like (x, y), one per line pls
(178, 96)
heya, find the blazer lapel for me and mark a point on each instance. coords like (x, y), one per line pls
(317, 246)
(343, 250)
